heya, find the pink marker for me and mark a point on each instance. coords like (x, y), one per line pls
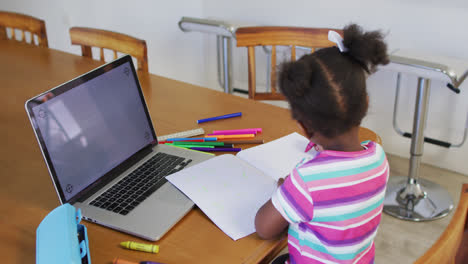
(237, 131)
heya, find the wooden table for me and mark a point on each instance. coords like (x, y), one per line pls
(26, 191)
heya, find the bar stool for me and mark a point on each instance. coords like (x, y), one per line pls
(224, 32)
(410, 197)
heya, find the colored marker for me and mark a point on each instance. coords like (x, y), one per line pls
(218, 149)
(233, 136)
(253, 141)
(194, 150)
(123, 261)
(190, 139)
(193, 140)
(140, 246)
(208, 143)
(219, 117)
(237, 131)
(225, 146)
(188, 145)
(231, 133)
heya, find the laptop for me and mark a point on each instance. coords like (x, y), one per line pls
(102, 152)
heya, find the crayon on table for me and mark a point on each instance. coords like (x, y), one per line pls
(140, 246)
(219, 117)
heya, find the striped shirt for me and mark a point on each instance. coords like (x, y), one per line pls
(334, 203)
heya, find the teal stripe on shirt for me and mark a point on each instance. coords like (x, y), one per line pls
(343, 173)
(344, 217)
(322, 249)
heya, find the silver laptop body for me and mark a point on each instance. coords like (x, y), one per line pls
(94, 131)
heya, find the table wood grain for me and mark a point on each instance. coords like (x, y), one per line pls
(26, 191)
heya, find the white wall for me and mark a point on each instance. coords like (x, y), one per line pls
(170, 52)
(429, 26)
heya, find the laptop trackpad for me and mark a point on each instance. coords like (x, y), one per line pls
(169, 194)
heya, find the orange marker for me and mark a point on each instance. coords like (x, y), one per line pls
(232, 136)
(122, 261)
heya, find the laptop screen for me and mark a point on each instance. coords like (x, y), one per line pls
(92, 124)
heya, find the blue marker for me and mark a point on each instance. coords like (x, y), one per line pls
(219, 117)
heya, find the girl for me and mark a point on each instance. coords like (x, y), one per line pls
(332, 202)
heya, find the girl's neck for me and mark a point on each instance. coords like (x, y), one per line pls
(348, 141)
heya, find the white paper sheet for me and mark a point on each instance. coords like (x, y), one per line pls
(278, 157)
(228, 190)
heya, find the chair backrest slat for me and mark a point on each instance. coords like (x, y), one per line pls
(101, 54)
(278, 36)
(293, 53)
(16, 21)
(117, 42)
(251, 69)
(273, 70)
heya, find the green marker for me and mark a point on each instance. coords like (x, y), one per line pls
(187, 145)
(211, 154)
(207, 143)
(194, 146)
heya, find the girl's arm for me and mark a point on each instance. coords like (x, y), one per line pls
(269, 223)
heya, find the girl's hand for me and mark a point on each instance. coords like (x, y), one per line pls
(318, 148)
(280, 181)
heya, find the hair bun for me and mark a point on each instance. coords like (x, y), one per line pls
(368, 48)
(295, 74)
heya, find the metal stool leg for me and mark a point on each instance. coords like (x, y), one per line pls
(224, 54)
(412, 198)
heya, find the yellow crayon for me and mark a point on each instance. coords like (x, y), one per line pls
(140, 246)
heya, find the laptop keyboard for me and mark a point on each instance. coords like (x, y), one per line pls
(130, 191)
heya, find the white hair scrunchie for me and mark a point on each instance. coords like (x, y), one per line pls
(333, 36)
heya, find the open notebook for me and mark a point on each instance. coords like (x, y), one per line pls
(230, 189)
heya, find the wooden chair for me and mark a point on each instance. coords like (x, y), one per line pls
(313, 38)
(117, 42)
(452, 245)
(24, 23)
(252, 37)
